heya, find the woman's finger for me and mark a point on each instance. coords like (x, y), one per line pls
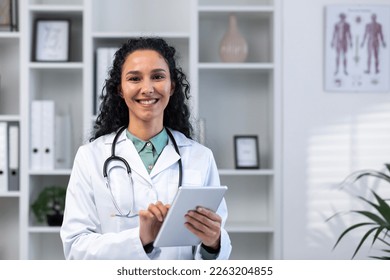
(158, 210)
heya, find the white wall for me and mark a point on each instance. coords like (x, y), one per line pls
(326, 135)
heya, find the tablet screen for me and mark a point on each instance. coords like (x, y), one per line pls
(173, 231)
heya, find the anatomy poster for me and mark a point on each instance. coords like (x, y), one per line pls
(357, 48)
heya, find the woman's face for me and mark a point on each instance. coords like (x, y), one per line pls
(146, 87)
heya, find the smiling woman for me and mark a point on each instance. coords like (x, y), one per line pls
(115, 113)
(146, 88)
(144, 122)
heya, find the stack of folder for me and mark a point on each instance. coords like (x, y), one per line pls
(9, 157)
(104, 59)
(50, 137)
(42, 134)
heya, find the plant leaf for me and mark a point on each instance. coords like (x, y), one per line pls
(380, 258)
(362, 241)
(384, 241)
(372, 216)
(375, 173)
(336, 214)
(383, 208)
(379, 230)
(357, 175)
(349, 229)
(378, 219)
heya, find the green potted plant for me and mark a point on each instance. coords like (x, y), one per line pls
(49, 205)
(377, 220)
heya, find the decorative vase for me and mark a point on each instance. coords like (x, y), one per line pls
(233, 46)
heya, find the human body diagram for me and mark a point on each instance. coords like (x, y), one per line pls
(373, 40)
(357, 55)
(373, 36)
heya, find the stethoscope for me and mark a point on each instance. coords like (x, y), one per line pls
(131, 213)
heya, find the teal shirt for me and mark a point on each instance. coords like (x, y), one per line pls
(149, 151)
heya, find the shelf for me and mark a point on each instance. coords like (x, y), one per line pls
(10, 194)
(141, 17)
(240, 172)
(244, 66)
(9, 35)
(52, 8)
(57, 2)
(254, 100)
(252, 246)
(237, 9)
(126, 35)
(248, 227)
(10, 79)
(236, 4)
(255, 27)
(55, 172)
(43, 229)
(9, 118)
(56, 65)
(10, 227)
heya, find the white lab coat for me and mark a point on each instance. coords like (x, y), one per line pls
(91, 231)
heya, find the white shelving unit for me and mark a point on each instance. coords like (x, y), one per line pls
(248, 92)
(62, 82)
(10, 58)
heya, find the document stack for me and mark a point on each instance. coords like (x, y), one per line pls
(9, 157)
(50, 137)
(104, 59)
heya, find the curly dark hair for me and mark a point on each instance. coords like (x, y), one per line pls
(114, 112)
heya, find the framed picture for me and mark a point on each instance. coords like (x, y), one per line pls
(51, 40)
(8, 15)
(246, 152)
(357, 58)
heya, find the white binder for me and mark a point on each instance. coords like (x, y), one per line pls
(48, 134)
(104, 59)
(63, 142)
(36, 135)
(13, 144)
(3, 158)
(42, 151)
(101, 73)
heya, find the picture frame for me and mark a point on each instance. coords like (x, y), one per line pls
(356, 58)
(52, 40)
(246, 152)
(8, 15)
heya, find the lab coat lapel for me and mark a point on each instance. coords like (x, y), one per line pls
(126, 149)
(167, 158)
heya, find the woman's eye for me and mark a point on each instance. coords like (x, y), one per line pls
(158, 77)
(133, 79)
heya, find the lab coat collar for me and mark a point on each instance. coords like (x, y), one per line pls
(180, 138)
(127, 150)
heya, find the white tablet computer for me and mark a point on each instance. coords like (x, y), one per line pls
(173, 231)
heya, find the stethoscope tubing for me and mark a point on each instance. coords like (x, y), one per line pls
(114, 157)
(170, 135)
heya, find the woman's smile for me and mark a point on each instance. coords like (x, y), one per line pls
(150, 101)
